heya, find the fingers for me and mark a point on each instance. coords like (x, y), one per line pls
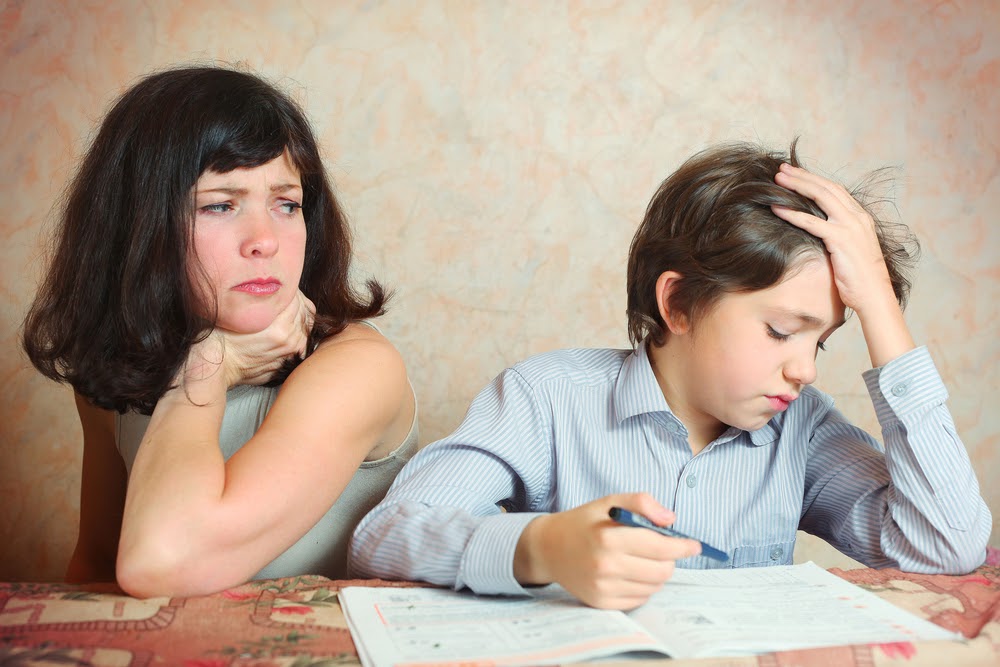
(642, 541)
(833, 198)
(254, 358)
(821, 190)
(802, 220)
(626, 580)
(630, 590)
(601, 562)
(644, 504)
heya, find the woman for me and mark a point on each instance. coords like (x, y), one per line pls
(239, 414)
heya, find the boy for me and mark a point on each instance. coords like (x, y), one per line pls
(740, 271)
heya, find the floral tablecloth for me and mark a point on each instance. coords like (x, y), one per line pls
(298, 622)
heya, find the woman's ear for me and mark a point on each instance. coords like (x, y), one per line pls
(676, 322)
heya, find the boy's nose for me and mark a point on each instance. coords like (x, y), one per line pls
(801, 369)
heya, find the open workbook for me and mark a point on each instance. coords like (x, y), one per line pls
(698, 613)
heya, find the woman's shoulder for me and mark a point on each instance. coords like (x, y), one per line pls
(359, 338)
(358, 353)
(363, 373)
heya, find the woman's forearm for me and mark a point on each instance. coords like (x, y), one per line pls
(177, 483)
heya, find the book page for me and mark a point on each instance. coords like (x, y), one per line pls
(424, 626)
(697, 613)
(756, 610)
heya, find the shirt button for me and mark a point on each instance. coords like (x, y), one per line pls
(899, 389)
(777, 553)
(691, 481)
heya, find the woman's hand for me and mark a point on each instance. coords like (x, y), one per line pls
(254, 358)
(602, 563)
(859, 268)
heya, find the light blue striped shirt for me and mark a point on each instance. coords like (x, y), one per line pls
(564, 428)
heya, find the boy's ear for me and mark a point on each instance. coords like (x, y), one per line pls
(676, 323)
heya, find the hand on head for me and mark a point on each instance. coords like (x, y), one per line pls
(602, 563)
(849, 236)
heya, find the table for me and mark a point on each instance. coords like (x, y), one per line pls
(297, 622)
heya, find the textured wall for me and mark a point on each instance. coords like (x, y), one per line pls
(495, 159)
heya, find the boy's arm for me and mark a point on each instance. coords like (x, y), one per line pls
(929, 516)
(441, 521)
(918, 507)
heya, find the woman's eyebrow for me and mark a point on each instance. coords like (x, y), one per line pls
(233, 190)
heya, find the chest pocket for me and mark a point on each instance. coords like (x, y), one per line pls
(763, 555)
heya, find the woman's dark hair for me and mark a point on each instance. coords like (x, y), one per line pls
(711, 222)
(116, 314)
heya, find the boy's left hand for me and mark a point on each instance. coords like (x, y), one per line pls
(859, 268)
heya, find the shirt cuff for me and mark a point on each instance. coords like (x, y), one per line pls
(487, 565)
(906, 384)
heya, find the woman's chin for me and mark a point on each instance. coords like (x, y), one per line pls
(246, 323)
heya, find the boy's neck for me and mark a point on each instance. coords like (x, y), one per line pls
(668, 368)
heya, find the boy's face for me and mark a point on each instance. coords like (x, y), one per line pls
(749, 356)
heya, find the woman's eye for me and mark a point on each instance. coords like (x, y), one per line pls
(777, 335)
(289, 207)
(821, 346)
(222, 207)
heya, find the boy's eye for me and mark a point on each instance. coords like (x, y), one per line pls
(777, 335)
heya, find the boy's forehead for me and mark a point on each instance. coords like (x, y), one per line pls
(812, 318)
(807, 296)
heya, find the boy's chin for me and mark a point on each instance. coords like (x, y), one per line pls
(754, 423)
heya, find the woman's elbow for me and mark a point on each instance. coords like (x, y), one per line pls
(149, 571)
(165, 570)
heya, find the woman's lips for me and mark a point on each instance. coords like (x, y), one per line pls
(259, 286)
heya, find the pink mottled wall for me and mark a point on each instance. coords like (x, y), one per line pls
(496, 157)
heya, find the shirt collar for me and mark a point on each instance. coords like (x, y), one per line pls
(637, 392)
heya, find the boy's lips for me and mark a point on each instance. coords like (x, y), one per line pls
(781, 402)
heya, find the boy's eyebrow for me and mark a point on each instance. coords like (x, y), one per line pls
(810, 320)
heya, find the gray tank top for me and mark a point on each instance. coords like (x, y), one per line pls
(322, 550)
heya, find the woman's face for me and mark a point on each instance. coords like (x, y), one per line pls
(249, 243)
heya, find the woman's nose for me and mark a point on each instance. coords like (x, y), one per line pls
(260, 239)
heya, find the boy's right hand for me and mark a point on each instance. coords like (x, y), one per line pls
(602, 563)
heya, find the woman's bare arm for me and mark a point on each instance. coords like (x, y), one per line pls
(102, 497)
(195, 523)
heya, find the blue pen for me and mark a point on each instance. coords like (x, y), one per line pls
(626, 518)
